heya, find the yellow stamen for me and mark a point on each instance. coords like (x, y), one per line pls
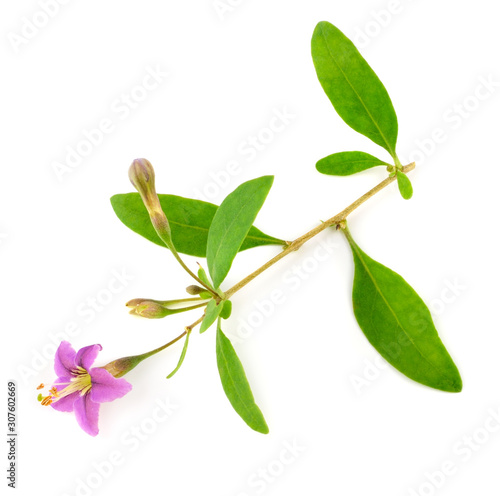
(81, 382)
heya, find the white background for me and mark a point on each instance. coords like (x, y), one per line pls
(358, 427)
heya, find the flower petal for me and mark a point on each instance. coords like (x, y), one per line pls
(87, 414)
(64, 362)
(105, 387)
(86, 356)
(67, 403)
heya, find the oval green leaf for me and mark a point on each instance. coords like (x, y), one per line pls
(231, 224)
(399, 325)
(226, 310)
(235, 384)
(356, 92)
(404, 185)
(347, 163)
(211, 313)
(189, 221)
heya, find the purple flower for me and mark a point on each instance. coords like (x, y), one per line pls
(80, 388)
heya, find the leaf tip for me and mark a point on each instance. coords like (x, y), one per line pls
(268, 179)
(263, 430)
(450, 382)
(321, 25)
(456, 385)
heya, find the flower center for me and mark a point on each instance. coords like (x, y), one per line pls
(80, 382)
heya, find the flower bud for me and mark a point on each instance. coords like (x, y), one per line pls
(198, 291)
(136, 302)
(195, 290)
(142, 176)
(141, 301)
(148, 309)
(156, 309)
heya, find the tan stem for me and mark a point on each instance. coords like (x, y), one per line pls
(189, 328)
(335, 220)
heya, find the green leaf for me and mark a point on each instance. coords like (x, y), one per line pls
(203, 277)
(404, 184)
(211, 313)
(399, 325)
(347, 163)
(231, 224)
(357, 94)
(181, 358)
(235, 385)
(189, 221)
(226, 310)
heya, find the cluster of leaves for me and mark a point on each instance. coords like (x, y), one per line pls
(360, 98)
(390, 313)
(217, 233)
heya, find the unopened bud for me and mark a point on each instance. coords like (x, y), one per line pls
(141, 301)
(148, 309)
(198, 291)
(157, 309)
(195, 290)
(142, 176)
(137, 301)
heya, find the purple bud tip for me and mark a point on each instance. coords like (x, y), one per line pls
(142, 176)
(141, 173)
